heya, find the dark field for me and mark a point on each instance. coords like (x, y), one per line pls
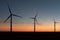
(29, 35)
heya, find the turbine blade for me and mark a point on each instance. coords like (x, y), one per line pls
(35, 15)
(57, 22)
(7, 18)
(8, 7)
(16, 15)
(31, 17)
(37, 22)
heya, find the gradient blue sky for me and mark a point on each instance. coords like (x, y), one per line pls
(46, 9)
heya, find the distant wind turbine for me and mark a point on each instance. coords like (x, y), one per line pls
(55, 25)
(11, 17)
(35, 20)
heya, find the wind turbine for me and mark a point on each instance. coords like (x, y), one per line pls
(35, 20)
(55, 25)
(10, 16)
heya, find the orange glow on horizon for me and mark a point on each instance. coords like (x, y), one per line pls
(29, 28)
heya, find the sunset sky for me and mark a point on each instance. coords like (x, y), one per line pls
(47, 10)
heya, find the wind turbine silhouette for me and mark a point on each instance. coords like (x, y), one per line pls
(10, 16)
(55, 25)
(35, 20)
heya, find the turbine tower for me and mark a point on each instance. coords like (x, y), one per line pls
(10, 16)
(35, 20)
